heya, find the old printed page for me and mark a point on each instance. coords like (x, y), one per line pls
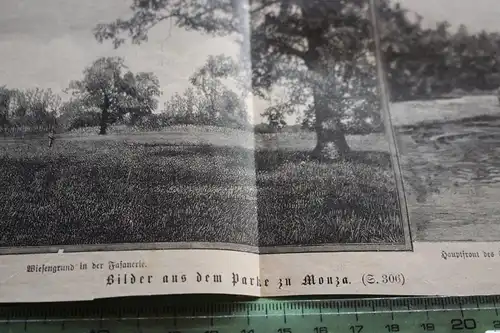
(257, 148)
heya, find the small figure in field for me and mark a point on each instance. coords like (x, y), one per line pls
(52, 136)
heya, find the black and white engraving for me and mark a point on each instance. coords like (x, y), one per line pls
(253, 126)
(443, 66)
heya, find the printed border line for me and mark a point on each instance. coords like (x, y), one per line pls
(389, 132)
(325, 248)
(290, 249)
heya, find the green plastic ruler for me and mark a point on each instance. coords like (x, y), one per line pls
(203, 314)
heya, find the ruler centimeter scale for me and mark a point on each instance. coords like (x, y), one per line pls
(363, 315)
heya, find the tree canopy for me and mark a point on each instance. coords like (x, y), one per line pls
(5, 96)
(29, 110)
(108, 85)
(209, 100)
(432, 62)
(313, 33)
(419, 62)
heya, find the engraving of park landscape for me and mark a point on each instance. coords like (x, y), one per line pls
(195, 124)
(443, 69)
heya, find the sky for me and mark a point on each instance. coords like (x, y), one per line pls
(47, 43)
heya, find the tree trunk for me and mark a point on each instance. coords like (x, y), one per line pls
(104, 122)
(330, 138)
(104, 116)
(134, 118)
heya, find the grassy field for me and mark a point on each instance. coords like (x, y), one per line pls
(194, 184)
(462, 175)
(199, 184)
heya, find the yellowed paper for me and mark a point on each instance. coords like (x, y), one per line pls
(430, 269)
(319, 147)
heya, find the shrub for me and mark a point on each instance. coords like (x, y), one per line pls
(85, 119)
(264, 128)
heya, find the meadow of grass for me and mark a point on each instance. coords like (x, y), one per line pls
(180, 184)
(461, 177)
(351, 201)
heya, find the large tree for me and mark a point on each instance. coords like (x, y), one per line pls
(44, 107)
(33, 109)
(432, 62)
(75, 113)
(5, 98)
(108, 85)
(418, 61)
(352, 97)
(211, 99)
(224, 105)
(314, 33)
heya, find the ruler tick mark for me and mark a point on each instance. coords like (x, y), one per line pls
(284, 315)
(211, 317)
(461, 310)
(248, 316)
(320, 314)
